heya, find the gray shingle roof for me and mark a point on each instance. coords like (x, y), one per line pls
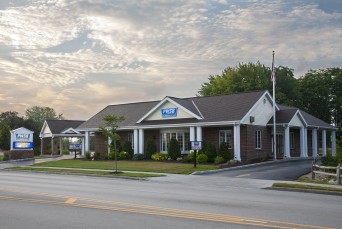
(58, 126)
(218, 108)
(286, 113)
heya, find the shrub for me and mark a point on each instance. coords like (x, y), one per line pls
(127, 147)
(202, 159)
(329, 160)
(138, 157)
(219, 160)
(224, 152)
(204, 147)
(37, 151)
(6, 156)
(173, 149)
(159, 157)
(190, 157)
(111, 155)
(100, 156)
(151, 148)
(123, 155)
(66, 152)
(87, 155)
(210, 152)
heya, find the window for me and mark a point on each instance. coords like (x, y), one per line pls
(130, 138)
(182, 137)
(258, 139)
(226, 136)
(292, 140)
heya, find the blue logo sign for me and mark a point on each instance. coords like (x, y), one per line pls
(196, 145)
(169, 112)
(22, 136)
(22, 145)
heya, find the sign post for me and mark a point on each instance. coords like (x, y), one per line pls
(75, 147)
(196, 145)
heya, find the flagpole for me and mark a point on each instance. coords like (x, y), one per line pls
(274, 111)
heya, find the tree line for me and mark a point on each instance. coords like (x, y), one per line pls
(318, 92)
(33, 120)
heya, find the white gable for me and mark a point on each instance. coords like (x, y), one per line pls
(261, 112)
(70, 131)
(168, 109)
(157, 114)
(297, 121)
(45, 131)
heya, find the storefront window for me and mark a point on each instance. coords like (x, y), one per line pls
(226, 136)
(182, 137)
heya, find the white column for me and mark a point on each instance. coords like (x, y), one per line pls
(314, 142)
(135, 141)
(324, 142)
(52, 146)
(287, 142)
(199, 133)
(60, 146)
(333, 142)
(306, 142)
(237, 153)
(192, 133)
(302, 147)
(86, 138)
(83, 146)
(141, 141)
(109, 142)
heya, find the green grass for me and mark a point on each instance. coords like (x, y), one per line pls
(84, 172)
(142, 166)
(307, 180)
(308, 187)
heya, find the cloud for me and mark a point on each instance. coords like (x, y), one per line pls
(73, 53)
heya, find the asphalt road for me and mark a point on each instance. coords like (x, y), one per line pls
(284, 171)
(40, 201)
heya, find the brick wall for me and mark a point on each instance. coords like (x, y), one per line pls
(20, 154)
(248, 141)
(100, 143)
(295, 152)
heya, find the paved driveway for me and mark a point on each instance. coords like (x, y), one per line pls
(279, 170)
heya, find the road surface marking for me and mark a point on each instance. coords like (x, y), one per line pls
(70, 200)
(154, 210)
(243, 175)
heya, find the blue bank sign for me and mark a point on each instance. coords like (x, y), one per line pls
(169, 112)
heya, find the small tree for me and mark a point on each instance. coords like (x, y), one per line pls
(127, 147)
(173, 150)
(151, 148)
(210, 152)
(110, 131)
(224, 152)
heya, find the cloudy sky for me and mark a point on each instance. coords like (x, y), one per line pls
(78, 56)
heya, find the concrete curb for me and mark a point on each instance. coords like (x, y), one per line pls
(250, 165)
(306, 191)
(18, 160)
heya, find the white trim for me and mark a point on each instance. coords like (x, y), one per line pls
(43, 128)
(197, 109)
(256, 140)
(237, 148)
(256, 104)
(70, 129)
(174, 103)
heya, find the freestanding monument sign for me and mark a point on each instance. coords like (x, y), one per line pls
(21, 144)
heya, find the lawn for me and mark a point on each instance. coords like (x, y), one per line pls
(84, 172)
(305, 186)
(142, 166)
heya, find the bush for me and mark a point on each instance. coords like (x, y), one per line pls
(210, 152)
(87, 155)
(37, 151)
(202, 159)
(329, 160)
(111, 155)
(159, 157)
(6, 156)
(190, 157)
(66, 152)
(127, 147)
(123, 155)
(224, 152)
(219, 160)
(173, 149)
(138, 157)
(100, 156)
(151, 148)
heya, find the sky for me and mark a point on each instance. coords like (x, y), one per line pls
(78, 56)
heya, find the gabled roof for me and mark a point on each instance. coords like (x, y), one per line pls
(58, 126)
(286, 113)
(219, 108)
